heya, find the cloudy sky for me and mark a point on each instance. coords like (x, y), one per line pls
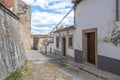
(47, 13)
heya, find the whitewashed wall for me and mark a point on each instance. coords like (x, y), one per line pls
(42, 48)
(57, 35)
(100, 14)
(50, 45)
(69, 52)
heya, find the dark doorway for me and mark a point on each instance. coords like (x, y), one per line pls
(91, 48)
(64, 46)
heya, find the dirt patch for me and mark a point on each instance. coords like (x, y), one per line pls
(44, 71)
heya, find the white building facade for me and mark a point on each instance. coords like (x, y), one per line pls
(63, 42)
(47, 47)
(97, 34)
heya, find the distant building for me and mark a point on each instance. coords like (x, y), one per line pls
(37, 41)
(47, 46)
(64, 42)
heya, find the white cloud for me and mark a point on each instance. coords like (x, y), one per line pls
(43, 22)
(49, 4)
(30, 2)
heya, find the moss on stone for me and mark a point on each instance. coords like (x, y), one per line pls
(17, 75)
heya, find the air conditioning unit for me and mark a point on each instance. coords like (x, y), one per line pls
(75, 1)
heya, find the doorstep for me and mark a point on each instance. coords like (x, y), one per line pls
(93, 70)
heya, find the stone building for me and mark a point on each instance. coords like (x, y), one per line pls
(37, 41)
(25, 20)
(63, 42)
(47, 46)
(11, 4)
(24, 17)
(12, 51)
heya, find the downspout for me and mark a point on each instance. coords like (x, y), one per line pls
(117, 10)
(74, 15)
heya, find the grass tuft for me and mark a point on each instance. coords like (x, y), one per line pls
(17, 75)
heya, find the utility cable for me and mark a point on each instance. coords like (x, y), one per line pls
(62, 19)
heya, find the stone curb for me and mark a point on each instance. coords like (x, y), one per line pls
(94, 71)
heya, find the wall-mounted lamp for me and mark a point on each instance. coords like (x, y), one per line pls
(76, 1)
(24, 9)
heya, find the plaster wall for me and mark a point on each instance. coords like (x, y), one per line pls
(100, 14)
(65, 34)
(50, 45)
(70, 52)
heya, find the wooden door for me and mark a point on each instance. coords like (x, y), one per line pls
(91, 48)
(64, 46)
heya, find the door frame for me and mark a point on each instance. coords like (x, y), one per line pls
(65, 46)
(84, 45)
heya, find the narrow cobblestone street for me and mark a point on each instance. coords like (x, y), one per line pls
(48, 67)
(59, 39)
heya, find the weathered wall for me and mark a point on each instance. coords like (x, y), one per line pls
(36, 43)
(55, 36)
(11, 4)
(8, 3)
(61, 34)
(47, 47)
(12, 53)
(70, 52)
(25, 20)
(50, 47)
(100, 14)
(40, 43)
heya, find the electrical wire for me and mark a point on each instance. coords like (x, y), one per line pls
(62, 19)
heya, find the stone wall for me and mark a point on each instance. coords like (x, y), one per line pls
(12, 53)
(11, 4)
(25, 20)
(8, 3)
(36, 43)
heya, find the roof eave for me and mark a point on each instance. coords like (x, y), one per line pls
(65, 29)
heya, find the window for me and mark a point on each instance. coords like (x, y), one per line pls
(57, 42)
(70, 41)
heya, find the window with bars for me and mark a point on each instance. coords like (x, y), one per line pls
(70, 41)
(57, 42)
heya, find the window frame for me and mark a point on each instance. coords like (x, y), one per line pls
(70, 36)
(57, 42)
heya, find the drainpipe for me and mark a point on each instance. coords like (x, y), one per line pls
(117, 10)
(74, 15)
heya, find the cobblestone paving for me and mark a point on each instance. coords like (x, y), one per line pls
(42, 67)
(44, 71)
